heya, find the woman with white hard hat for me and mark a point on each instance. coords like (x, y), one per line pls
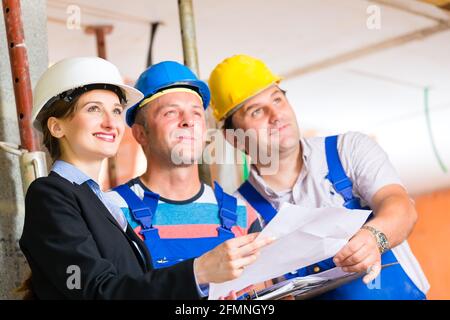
(77, 243)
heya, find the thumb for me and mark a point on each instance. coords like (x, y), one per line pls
(372, 273)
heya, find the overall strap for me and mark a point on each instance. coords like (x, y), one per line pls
(141, 210)
(336, 174)
(227, 207)
(257, 201)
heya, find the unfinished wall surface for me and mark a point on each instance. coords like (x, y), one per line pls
(430, 240)
(13, 267)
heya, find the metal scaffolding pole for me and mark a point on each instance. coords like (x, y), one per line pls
(32, 161)
(20, 71)
(187, 28)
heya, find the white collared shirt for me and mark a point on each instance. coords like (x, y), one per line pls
(75, 175)
(367, 166)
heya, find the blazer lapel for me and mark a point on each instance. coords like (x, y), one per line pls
(129, 233)
(142, 247)
(99, 206)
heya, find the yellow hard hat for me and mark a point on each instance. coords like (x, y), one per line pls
(235, 80)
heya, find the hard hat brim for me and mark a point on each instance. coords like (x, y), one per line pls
(74, 73)
(198, 84)
(241, 104)
(132, 96)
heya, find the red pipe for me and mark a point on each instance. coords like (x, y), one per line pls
(20, 72)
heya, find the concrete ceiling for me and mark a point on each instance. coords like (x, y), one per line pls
(340, 75)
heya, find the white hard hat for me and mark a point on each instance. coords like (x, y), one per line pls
(72, 73)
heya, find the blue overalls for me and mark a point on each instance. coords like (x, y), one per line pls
(395, 283)
(167, 252)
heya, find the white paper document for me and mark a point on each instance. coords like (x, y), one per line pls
(304, 236)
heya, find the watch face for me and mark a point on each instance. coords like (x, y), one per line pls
(382, 240)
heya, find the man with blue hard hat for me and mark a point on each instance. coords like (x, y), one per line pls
(176, 215)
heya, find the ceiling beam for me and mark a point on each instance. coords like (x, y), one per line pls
(417, 8)
(368, 50)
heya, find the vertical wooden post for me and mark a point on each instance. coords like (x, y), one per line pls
(187, 28)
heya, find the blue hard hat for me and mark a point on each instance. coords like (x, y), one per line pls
(167, 74)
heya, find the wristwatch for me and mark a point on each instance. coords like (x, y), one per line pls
(382, 241)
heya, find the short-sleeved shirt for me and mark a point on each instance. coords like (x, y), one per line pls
(197, 217)
(367, 166)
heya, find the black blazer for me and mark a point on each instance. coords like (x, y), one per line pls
(66, 225)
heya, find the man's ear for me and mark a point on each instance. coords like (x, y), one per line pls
(55, 127)
(139, 134)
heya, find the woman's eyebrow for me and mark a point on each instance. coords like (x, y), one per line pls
(87, 102)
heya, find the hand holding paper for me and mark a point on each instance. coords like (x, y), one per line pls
(228, 260)
(304, 236)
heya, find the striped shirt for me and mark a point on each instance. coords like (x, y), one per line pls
(197, 217)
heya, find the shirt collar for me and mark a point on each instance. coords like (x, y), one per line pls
(306, 151)
(70, 172)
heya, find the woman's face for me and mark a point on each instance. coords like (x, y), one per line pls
(96, 128)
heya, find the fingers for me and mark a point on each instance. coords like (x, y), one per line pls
(241, 263)
(364, 265)
(227, 261)
(356, 257)
(373, 273)
(348, 250)
(241, 241)
(231, 296)
(245, 290)
(254, 246)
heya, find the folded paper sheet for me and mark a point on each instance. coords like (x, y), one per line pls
(304, 236)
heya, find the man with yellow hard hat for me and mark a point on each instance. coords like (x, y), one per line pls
(349, 170)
